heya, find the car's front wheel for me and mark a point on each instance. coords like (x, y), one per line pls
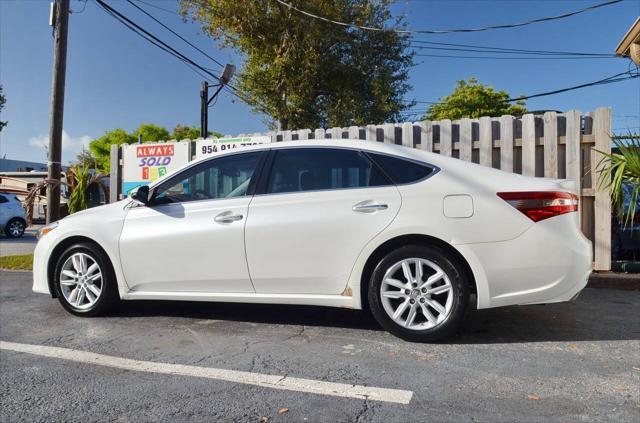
(15, 228)
(419, 293)
(84, 281)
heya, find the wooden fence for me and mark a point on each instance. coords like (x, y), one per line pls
(552, 145)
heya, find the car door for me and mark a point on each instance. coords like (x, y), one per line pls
(4, 207)
(312, 216)
(190, 238)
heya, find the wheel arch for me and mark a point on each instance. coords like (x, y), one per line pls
(411, 239)
(60, 248)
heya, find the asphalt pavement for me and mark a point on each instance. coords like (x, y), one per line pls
(570, 362)
(17, 246)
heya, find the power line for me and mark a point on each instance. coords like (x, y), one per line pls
(493, 49)
(173, 12)
(509, 58)
(522, 52)
(448, 31)
(153, 39)
(204, 72)
(174, 33)
(611, 79)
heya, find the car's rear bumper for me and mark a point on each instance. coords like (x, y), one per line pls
(548, 263)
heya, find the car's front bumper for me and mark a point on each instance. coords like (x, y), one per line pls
(40, 263)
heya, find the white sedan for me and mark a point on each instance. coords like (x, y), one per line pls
(412, 236)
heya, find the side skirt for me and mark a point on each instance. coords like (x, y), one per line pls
(293, 299)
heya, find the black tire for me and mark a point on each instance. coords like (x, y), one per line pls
(108, 297)
(15, 224)
(459, 292)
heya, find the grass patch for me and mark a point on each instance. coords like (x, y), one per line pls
(22, 262)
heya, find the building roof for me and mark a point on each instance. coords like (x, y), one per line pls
(632, 36)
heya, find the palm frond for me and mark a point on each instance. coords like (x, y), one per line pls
(619, 172)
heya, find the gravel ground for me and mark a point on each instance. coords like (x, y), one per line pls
(577, 362)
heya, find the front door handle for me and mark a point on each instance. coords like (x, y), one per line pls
(227, 217)
(369, 207)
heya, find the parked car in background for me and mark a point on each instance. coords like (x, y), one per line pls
(411, 235)
(21, 183)
(13, 221)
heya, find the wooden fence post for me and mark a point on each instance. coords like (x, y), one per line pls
(371, 133)
(550, 145)
(572, 149)
(407, 134)
(389, 133)
(303, 134)
(486, 141)
(426, 135)
(602, 238)
(354, 133)
(466, 142)
(528, 145)
(506, 143)
(446, 142)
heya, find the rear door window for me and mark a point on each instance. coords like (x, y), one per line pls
(314, 169)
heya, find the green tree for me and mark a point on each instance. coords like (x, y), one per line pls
(306, 73)
(151, 133)
(101, 147)
(86, 159)
(183, 132)
(471, 99)
(620, 173)
(3, 100)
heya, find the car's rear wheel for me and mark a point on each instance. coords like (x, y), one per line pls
(84, 281)
(419, 293)
(15, 228)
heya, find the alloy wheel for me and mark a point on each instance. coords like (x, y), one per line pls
(416, 294)
(16, 228)
(81, 281)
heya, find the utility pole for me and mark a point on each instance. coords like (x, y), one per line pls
(204, 109)
(205, 101)
(60, 22)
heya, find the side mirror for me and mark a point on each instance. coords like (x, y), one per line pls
(141, 195)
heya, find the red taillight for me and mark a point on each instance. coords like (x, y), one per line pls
(540, 205)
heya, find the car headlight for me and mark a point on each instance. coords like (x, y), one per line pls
(46, 229)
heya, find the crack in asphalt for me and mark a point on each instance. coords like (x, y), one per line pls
(360, 417)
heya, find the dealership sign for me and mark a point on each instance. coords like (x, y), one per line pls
(212, 146)
(144, 163)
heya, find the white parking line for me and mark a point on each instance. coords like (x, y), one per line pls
(266, 381)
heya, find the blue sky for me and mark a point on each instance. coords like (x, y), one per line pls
(116, 79)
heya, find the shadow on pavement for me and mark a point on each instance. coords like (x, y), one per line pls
(597, 315)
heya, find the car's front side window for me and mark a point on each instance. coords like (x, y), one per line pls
(225, 177)
(313, 169)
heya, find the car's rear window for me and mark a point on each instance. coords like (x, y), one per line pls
(401, 171)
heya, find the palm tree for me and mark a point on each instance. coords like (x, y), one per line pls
(620, 173)
(80, 181)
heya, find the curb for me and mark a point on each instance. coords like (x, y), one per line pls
(613, 280)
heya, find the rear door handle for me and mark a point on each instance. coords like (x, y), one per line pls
(369, 207)
(227, 217)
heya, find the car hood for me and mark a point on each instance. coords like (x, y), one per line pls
(108, 211)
